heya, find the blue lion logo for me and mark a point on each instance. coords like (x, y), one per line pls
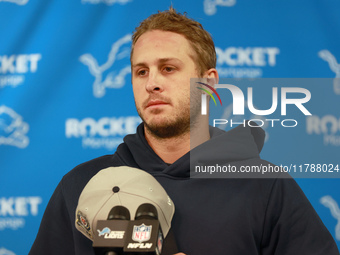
(12, 128)
(104, 231)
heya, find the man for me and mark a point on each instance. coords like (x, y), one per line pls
(213, 216)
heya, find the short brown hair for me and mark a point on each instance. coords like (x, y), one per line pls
(172, 21)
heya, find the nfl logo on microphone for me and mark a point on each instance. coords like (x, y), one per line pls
(141, 233)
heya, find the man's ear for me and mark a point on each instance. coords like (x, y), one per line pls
(212, 76)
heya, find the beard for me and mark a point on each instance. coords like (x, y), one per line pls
(175, 125)
(169, 128)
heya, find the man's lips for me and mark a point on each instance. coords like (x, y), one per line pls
(155, 103)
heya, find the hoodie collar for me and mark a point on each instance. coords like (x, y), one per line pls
(240, 143)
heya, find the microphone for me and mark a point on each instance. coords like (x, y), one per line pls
(146, 211)
(119, 213)
(110, 239)
(144, 234)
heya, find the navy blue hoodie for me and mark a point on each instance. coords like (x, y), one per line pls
(231, 216)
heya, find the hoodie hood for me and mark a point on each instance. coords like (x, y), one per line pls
(240, 143)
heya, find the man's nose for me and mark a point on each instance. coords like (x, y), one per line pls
(154, 82)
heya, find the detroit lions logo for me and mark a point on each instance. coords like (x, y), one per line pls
(114, 79)
(19, 2)
(13, 129)
(330, 203)
(3, 251)
(104, 231)
(334, 66)
(210, 5)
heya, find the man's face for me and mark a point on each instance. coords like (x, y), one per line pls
(161, 70)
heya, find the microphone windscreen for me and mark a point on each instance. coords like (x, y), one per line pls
(146, 211)
(119, 213)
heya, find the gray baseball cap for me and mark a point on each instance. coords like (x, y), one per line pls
(123, 186)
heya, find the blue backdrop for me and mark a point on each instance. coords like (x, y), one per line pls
(66, 97)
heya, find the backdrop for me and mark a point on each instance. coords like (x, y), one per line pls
(66, 97)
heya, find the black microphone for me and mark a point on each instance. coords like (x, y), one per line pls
(146, 211)
(145, 236)
(119, 213)
(110, 239)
